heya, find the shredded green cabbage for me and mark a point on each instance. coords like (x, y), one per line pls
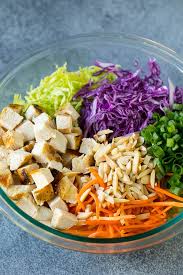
(58, 89)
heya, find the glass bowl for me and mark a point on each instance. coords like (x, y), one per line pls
(77, 51)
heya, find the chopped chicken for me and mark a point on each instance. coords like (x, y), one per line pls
(43, 152)
(59, 142)
(77, 130)
(69, 109)
(67, 158)
(43, 131)
(57, 202)
(1, 132)
(29, 146)
(55, 164)
(18, 158)
(6, 178)
(67, 190)
(80, 164)
(24, 172)
(44, 118)
(42, 177)
(16, 192)
(4, 164)
(28, 205)
(87, 146)
(32, 112)
(73, 141)
(64, 123)
(43, 214)
(27, 130)
(63, 219)
(9, 119)
(4, 153)
(16, 107)
(13, 140)
(44, 194)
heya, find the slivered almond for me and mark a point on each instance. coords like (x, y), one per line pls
(114, 151)
(152, 178)
(144, 173)
(115, 157)
(85, 194)
(106, 168)
(110, 176)
(135, 164)
(128, 167)
(110, 162)
(115, 182)
(101, 170)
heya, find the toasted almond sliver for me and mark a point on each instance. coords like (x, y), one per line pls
(147, 159)
(106, 168)
(152, 178)
(104, 132)
(85, 194)
(136, 162)
(115, 157)
(143, 216)
(115, 182)
(144, 173)
(110, 162)
(114, 151)
(110, 176)
(101, 170)
(128, 167)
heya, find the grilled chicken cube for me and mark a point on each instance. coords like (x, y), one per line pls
(57, 202)
(18, 158)
(43, 131)
(44, 118)
(77, 130)
(4, 153)
(28, 147)
(13, 140)
(16, 192)
(9, 119)
(24, 172)
(43, 152)
(63, 219)
(6, 178)
(42, 177)
(1, 135)
(80, 164)
(59, 142)
(16, 107)
(28, 205)
(42, 195)
(67, 158)
(27, 130)
(67, 190)
(69, 109)
(32, 112)
(87, 146)
(43, 214)
(64, 123)
(55, 164)
(73, 141)
(4, 164)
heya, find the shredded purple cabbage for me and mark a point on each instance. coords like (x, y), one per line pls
(126, 104)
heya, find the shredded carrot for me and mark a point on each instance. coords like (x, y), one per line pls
(100, 181)
(167, 193)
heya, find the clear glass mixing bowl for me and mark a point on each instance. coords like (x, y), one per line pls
(77, 51)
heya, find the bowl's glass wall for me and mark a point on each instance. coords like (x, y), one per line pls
(83, 51)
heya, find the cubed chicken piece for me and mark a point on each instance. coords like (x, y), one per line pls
(28, 205)
(77, 130)
(28, 147)
(43, 131)
(16, 192)
(4, 153)
(101, 152)
(42, 195)
(87, 146)
(44, 118)
(24, 173)
(80, 164)
(32, 112)
(3, 164)
(1, 132)
(55, 164)
(64, 123)
(43, 152)
(27, 130)
(42, 177)
(16, 107)
(73, 141)
(9, 119)
(18, 158)
(63, 219)
(43, 214)
(59, 142)
(69, 109)
(67, 190)
(6, 178)
(67, 158)
(13, 140)
(57, 202)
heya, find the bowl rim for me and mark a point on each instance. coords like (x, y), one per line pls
(18, 63)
